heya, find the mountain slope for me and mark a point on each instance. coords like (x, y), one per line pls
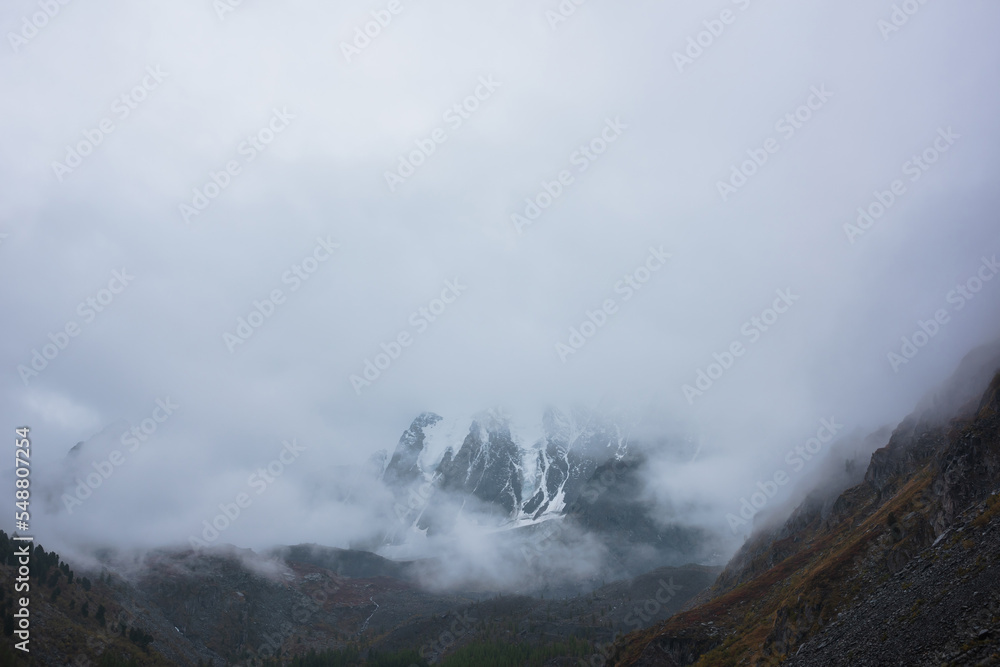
(828, 580)
(231, 606)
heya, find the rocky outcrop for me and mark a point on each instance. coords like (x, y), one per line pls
(487, 466)
(404, 466)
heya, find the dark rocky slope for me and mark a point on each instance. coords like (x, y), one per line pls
(898, 570)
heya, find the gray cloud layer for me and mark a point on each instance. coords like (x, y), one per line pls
(323, 177)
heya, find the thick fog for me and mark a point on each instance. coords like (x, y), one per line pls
(239, 232)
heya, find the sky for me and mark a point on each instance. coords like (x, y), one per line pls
(512, 204)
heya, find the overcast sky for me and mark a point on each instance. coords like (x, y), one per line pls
(332, 113)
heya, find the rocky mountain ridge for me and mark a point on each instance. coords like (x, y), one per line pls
(506, 475)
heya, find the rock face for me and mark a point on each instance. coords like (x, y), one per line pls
(500, 474)
(578, 467)
(487, 466)
(404, 467)
(570, 457)
(901, 569)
